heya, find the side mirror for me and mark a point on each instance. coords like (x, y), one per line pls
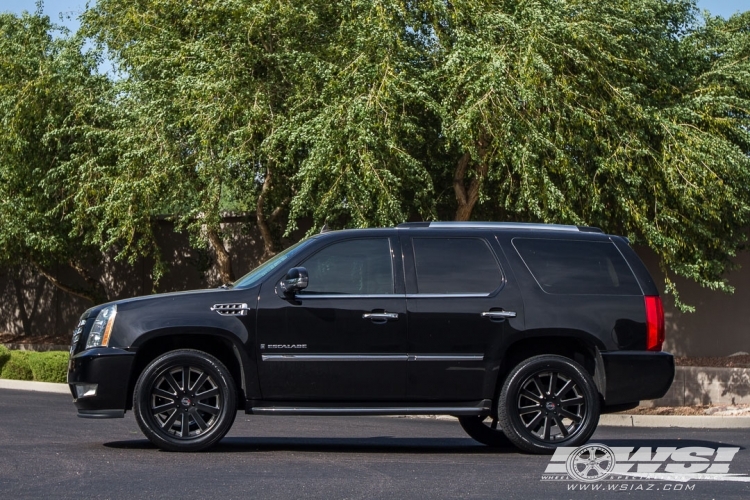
(295, 280)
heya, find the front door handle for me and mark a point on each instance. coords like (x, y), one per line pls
(384, 316)
(499, 314)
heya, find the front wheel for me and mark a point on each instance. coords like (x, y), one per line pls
(548, 401)
(185, 400)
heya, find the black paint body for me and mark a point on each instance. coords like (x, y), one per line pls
(437, 355)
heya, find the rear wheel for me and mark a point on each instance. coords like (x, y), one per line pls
(485, 430)
(548, 401)
(185, 400)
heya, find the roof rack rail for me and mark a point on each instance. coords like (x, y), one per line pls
(502, 225)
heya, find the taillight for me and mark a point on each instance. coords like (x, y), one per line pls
(654, 323)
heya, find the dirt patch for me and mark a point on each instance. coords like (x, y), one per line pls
(59, 339)
(741, 361)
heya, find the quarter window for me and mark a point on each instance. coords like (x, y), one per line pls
(455, 266)
(361, 267)
(577, 267)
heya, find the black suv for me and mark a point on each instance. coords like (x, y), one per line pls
(525, 332)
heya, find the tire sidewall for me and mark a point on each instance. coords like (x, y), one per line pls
(511, 422)
(182, 357)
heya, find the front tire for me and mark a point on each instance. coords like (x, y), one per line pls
(185, 400)
(548, 401)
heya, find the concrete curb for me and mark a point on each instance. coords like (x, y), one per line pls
(683, 421)
(25, 385)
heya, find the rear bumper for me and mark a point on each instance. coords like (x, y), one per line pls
(108, 368)
(633, 376)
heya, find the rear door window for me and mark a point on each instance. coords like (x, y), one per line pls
(575, 267)
(455, 266)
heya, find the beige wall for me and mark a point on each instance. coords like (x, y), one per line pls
(720, 326)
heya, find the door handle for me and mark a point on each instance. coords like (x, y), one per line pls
(499, 314)
(380, 316)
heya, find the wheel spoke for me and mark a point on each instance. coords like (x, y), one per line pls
(530, 395)
(172, 383)
(171, 420)
(164, 394)
(561, 426)
(525, 410)
(538, 383)
(552, 383)
(547, 425)
(575, 418)
(198, 383)
(572, 401)
(208, 409)
(199, 420)
(565, 388)
(185, 378)
(185, 431)
(208, 394)
(155, 410)
(534, 421)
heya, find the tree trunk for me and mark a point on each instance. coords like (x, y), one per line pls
(25, 320)
(265, 231)
(222, 257)
(78, 292)
(467, 197)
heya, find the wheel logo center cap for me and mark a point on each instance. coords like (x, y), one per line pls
(185, 401)
(550, 406)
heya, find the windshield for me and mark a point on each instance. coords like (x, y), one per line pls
(253, 277)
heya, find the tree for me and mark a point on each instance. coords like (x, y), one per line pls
(42, 80)
(630, 116)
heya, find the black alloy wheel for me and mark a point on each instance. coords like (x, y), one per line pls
(185, 400)
(485, 430)
(548, 401)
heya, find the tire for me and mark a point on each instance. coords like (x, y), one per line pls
(537, 419)
(480, 429)
(179, 418)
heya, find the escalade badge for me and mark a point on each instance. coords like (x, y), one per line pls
(283, 346)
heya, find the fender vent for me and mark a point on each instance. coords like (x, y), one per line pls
(230, 309)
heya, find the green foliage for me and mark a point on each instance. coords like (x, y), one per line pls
(49, 366)
(17, 367)
(4, 356)
(628, 115)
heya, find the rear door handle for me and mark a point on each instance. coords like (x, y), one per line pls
(499, 314)
(384, 316)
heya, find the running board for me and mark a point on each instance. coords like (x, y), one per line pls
(305, 408)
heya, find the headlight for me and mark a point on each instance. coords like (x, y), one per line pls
(99, 334)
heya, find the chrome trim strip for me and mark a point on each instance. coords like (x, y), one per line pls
(446, 295)
(349, 296)
(380, 316)
(334, 357)
(506, 225)
(446, 357)
(448, 410)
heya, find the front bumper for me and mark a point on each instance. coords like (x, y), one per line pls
(633, 376)
(108, 368)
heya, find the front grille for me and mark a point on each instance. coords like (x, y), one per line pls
(230, 309)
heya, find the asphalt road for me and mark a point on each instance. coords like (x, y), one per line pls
(46, 451)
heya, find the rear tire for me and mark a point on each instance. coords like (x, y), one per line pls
(481, 429)
(185, 400)
(548, 401)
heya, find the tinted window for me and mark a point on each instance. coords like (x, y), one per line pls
(577, 267)
(455, 265)
(351, 267)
